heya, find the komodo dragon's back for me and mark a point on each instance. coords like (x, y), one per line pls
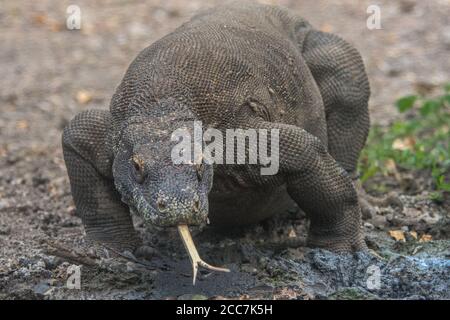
(225, 58)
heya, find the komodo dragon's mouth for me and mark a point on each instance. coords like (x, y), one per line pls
(196, 261)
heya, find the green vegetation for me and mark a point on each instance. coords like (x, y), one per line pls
(419, 142)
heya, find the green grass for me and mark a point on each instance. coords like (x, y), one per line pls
(421, 142)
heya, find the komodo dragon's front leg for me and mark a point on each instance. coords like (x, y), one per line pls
(88, 157)
(321, 187)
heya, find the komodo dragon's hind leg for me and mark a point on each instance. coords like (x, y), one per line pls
(88, 160)
(340, 75)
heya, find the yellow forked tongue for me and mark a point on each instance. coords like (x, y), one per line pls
(196, 261)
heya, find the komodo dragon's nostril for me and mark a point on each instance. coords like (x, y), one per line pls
(162, 206)
(196, 206)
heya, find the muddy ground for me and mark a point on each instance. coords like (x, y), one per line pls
(50, 73)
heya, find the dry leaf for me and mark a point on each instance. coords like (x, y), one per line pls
(425, 238)
(390, 165)
(398, 235)
(49, 23)
(424, 88)
(83, 96)
(40, 19)
(326, 27)
(404, 144)
(3, 152)
(22, 124)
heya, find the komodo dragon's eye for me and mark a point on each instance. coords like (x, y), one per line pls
(138, 166)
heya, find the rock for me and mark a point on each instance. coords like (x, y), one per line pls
(5, 230)
(24, 261)
(249, 268)
(41, 288)
(379, 221)
(131, 266)
(4, 204)
(40, 265)
(369, 226)
(39, 180)
(23, 273)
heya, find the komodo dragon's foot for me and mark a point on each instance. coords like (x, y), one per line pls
(368, 202)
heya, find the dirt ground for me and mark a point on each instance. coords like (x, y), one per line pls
(49, 74)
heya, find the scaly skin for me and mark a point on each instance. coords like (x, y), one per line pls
(237, 66)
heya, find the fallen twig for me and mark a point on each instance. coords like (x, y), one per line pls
(59, 250)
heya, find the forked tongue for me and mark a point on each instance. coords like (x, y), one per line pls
(196, 261)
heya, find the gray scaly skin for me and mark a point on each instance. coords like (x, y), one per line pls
(236, 66)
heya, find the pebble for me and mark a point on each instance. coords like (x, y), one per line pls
(24, 261)
(5, 230)
(51, 262)
(249, 268)
(40, 264)
(131, 266)
(41, 288)
(379, 221)
(4, 204)
(369, 226)
(23, 273)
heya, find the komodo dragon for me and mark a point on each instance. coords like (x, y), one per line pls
(234, 66)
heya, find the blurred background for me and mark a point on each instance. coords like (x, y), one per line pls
(50, 73)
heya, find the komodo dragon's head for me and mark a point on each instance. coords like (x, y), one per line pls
(160, 173)
(165, 193)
